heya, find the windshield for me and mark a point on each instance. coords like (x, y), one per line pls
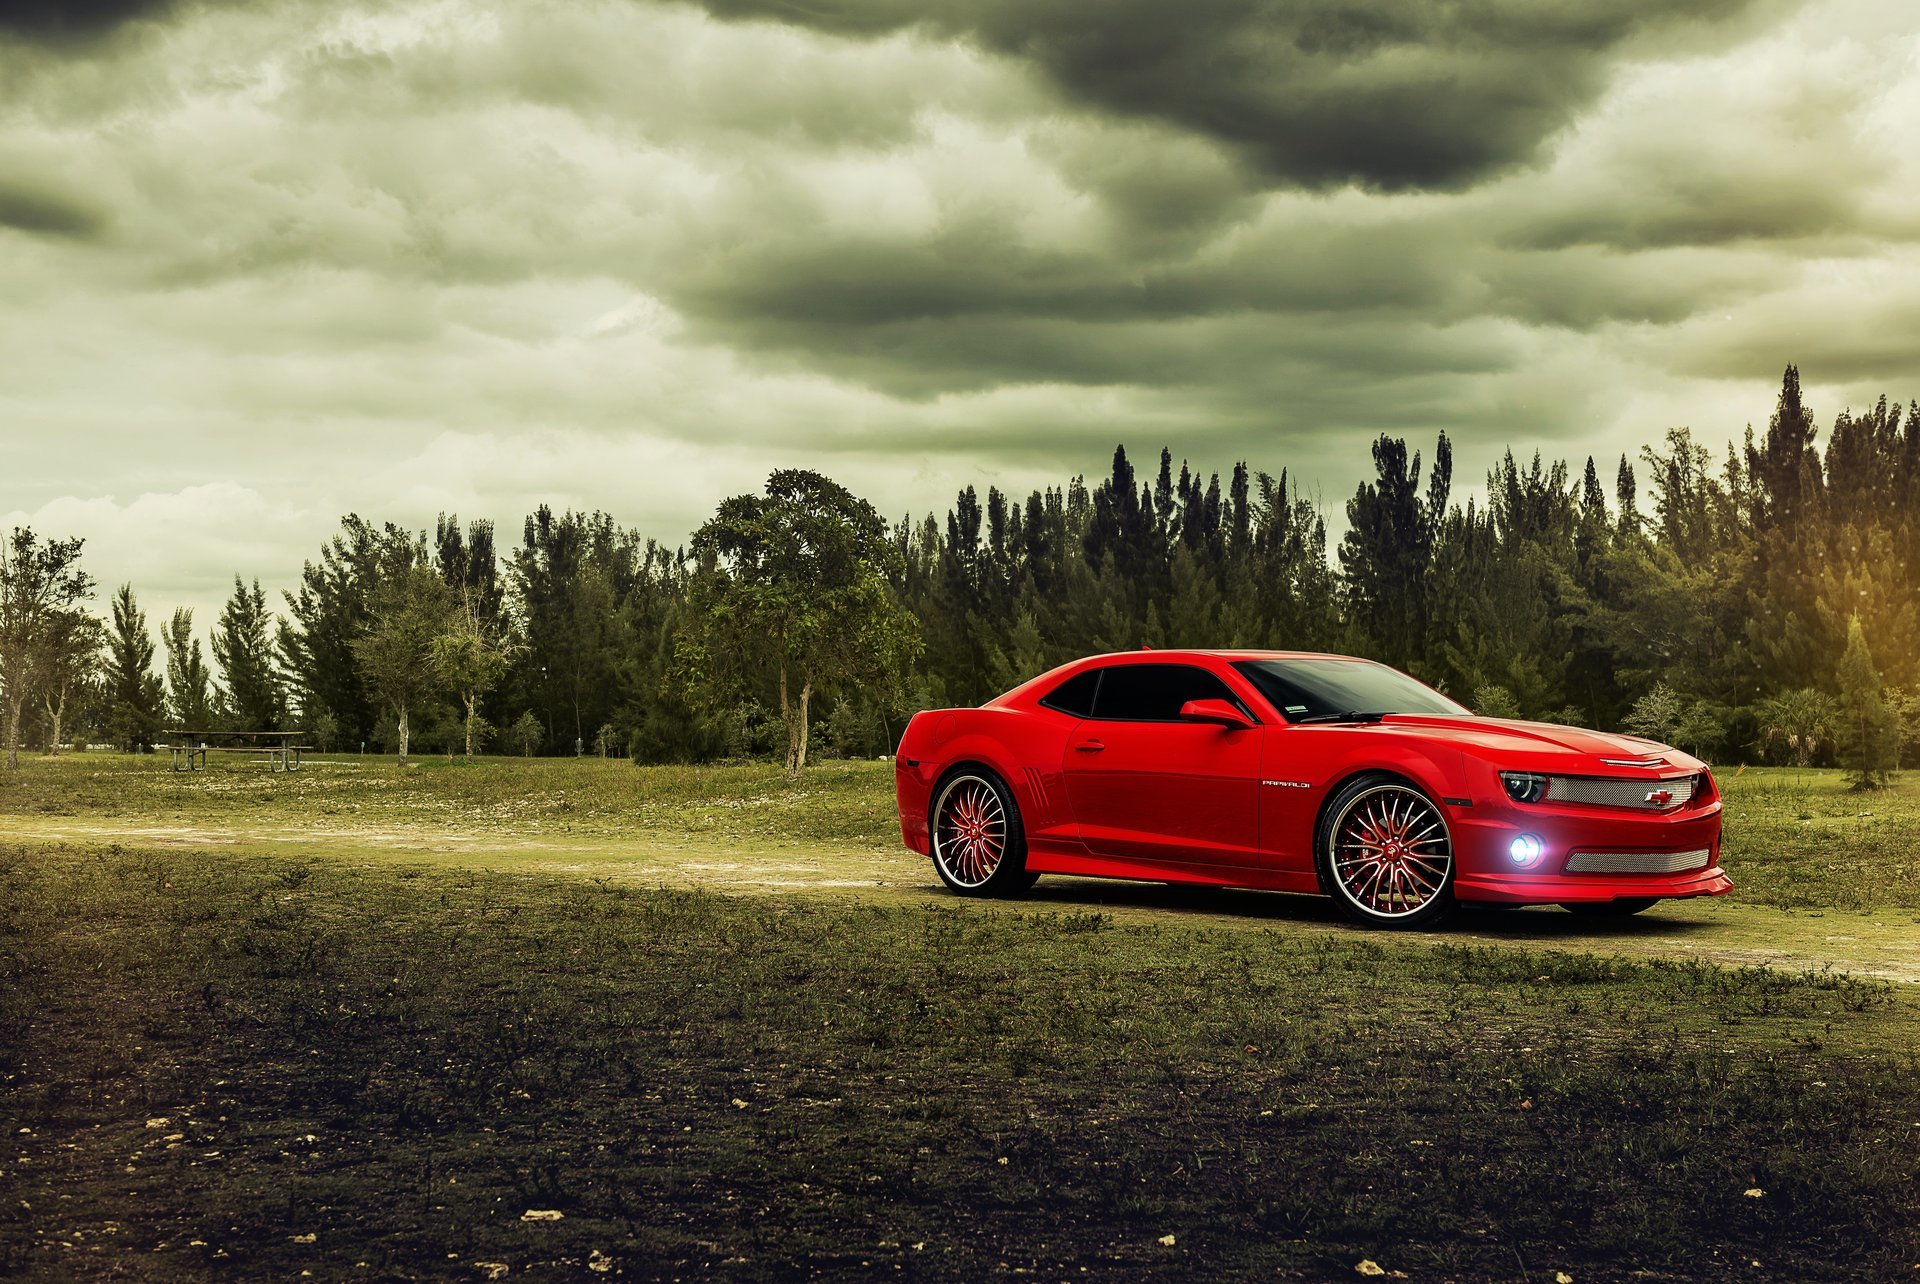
(1302, 689)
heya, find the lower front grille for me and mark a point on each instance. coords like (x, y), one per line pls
(1637, 862)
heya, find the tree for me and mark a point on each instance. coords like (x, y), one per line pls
(395, 653)
(329, 614)
(189, 682)
(469, 660)
(1868, 729)
(1802, 721)
(526, 734)
(1702, 728)
(39, 581)
(1388, 548)
(570, 578)
(794, 583)
(73, 654)
(242, 643)
(136, 701)
(1491, 701)
(1657, 714)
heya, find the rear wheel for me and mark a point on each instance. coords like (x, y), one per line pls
(979, 845)
(1386, 855)
(1621, 908)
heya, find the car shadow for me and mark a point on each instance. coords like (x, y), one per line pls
(1534, 923)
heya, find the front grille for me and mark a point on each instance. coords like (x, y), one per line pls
(1599, 791)
(1637, 862)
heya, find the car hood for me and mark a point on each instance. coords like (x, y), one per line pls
(1544, 746)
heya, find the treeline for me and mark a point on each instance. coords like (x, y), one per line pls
(1763, 603)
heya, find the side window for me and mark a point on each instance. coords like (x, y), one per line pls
(1075, 695)
(1155, 692)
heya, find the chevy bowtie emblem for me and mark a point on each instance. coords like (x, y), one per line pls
(1660, 797)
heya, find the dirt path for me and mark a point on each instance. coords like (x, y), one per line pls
(1883, 944)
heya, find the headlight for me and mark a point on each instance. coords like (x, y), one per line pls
(1526, 850)
(1524, 786)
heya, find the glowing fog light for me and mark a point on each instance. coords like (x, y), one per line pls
(1526, 851)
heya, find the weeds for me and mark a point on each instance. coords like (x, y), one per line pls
(402, 1067)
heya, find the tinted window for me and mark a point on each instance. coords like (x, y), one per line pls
(1155, 692)
(1305, 688)
(1075, 695)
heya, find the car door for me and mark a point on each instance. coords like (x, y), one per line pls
(1145, 785)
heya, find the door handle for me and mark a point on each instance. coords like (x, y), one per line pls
(1089, 746)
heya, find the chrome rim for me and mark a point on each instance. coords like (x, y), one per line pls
(1391, 852)
(969, 831)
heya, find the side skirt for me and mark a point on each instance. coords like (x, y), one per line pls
(1052, 859)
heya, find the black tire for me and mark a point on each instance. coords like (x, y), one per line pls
(1384, 852)
(971, 814)
(1624, 907)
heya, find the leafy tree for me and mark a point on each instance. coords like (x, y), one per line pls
(1657, 714)
(1868, 728)
(136, 701)
(242, 644)
(395, 653)
(1492, 701)
(189, 682)
(74, 642)
(526, 734)
(1702, 728)
(1801, 721)
(40, 582)
(794, 585)
(470, 660)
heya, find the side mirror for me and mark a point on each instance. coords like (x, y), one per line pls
(1218, 712)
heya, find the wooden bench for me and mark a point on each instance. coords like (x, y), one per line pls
(188, 750)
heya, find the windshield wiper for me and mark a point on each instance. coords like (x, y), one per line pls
(1352, 715)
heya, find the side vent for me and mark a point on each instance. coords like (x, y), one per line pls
(1037, 786)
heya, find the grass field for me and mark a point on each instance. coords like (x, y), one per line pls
(360, 1023)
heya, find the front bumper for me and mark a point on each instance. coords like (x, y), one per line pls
(1484, 832)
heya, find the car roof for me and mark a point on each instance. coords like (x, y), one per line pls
(1155, 653)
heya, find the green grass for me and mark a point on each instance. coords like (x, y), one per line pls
(1794, 839)
(341, 795)
(395, 1011)
(213, 1058)
(1804, 840)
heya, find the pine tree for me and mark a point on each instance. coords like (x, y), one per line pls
(242, 645)
(1868, 730)
(1388, 549)
(136, 701)
(189, 682)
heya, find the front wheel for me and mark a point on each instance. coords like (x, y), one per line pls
(979, 844)
(1620, 908)
(1386, 854)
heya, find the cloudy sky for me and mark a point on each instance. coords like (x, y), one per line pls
(265, 263)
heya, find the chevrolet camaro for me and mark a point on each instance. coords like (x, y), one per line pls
(1300, 773)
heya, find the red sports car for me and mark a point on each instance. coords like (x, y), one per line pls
(1300, 773)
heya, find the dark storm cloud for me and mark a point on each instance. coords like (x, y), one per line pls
(1387, 94)
(73, 19)
(29, 206)
(629, 254)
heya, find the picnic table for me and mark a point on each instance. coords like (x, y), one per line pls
(188, 750)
